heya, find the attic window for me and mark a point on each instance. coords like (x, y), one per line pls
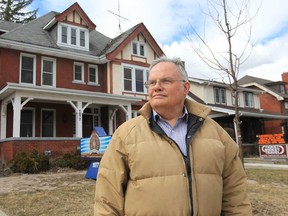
(138, 48)
(73, 36)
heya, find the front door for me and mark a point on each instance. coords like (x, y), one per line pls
(87, 125)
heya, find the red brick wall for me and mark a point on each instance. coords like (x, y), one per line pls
(10, 64)
(58, 147)
(270, 103)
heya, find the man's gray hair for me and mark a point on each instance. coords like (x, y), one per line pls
(176, 60)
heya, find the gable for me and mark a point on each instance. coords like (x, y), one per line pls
(75, 15)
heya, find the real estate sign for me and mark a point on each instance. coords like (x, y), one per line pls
(272, 146)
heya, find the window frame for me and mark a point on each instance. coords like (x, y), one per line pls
(33, 120)
(53, 60)
(136, 46)
(96, 82)
(33, 70)
(78, 36)
(133, 80)
(222, 95)
(82, 72)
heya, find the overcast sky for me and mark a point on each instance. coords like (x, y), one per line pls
(169, 21)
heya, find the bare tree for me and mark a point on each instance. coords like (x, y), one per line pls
(231, 18)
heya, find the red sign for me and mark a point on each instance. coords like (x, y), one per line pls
(279, 151)
(271, 139)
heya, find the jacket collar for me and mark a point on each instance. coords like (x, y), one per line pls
(193, 107)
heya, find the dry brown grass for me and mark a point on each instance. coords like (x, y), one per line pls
(69, 193)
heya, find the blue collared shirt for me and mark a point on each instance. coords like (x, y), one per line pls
(178, 131)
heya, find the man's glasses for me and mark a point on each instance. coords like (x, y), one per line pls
(162, 82)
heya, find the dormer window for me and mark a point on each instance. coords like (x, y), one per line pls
(73, 36)
(138, 49)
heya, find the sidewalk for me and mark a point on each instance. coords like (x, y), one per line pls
(266, 165)
(2, 213)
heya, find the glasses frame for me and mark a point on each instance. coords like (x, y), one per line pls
(162, 82)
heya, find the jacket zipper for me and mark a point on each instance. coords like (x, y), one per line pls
(192, 124)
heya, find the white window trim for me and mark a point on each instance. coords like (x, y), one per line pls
(97, 75)
(54, 71)
(138, 48)
(68, 44)
(34, 68)
(220, 95)
(54, 120)
(145, 71)
(82, 73)
(33, 119)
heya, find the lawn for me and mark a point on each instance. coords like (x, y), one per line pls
(70, 193)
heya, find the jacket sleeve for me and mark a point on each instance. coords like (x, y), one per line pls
(111, 180)
(235, 200)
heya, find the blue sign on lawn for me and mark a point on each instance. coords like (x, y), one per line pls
(93, 148)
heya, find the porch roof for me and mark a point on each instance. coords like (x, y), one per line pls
(256, 113)
(61, 94)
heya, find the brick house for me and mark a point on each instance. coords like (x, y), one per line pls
(60, 77)
(273, 99)
(253, 116)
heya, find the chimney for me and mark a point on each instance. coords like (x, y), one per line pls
(285, 78)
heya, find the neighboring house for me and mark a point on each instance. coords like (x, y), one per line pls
(273, 99)
(219, 97)
(60, 77)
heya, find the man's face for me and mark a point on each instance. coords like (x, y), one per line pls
(168, 90)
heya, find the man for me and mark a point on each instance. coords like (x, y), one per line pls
(172, 159)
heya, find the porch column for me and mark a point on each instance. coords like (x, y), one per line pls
(16, 102)
(127, 109)
(17, 107)
(79, 107)
(3, 120)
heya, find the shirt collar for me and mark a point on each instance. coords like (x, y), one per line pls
(157, 116)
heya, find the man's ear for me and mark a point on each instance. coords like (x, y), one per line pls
(187, 87)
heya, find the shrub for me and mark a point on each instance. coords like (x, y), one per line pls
(31, 162)
(73, 161)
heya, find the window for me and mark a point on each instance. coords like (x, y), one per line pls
(248, 99)
(27, 69)
(48, 71)
(139, 77)
(47, 126)
(78, 72)
(219, 95)
(82, 38)
(138, 49)
(27, 123)
(134, 79)
(73, 36)
(127, 79)
(64, 34)
(93, 74)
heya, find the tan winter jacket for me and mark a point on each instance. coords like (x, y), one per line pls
(143, 172)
